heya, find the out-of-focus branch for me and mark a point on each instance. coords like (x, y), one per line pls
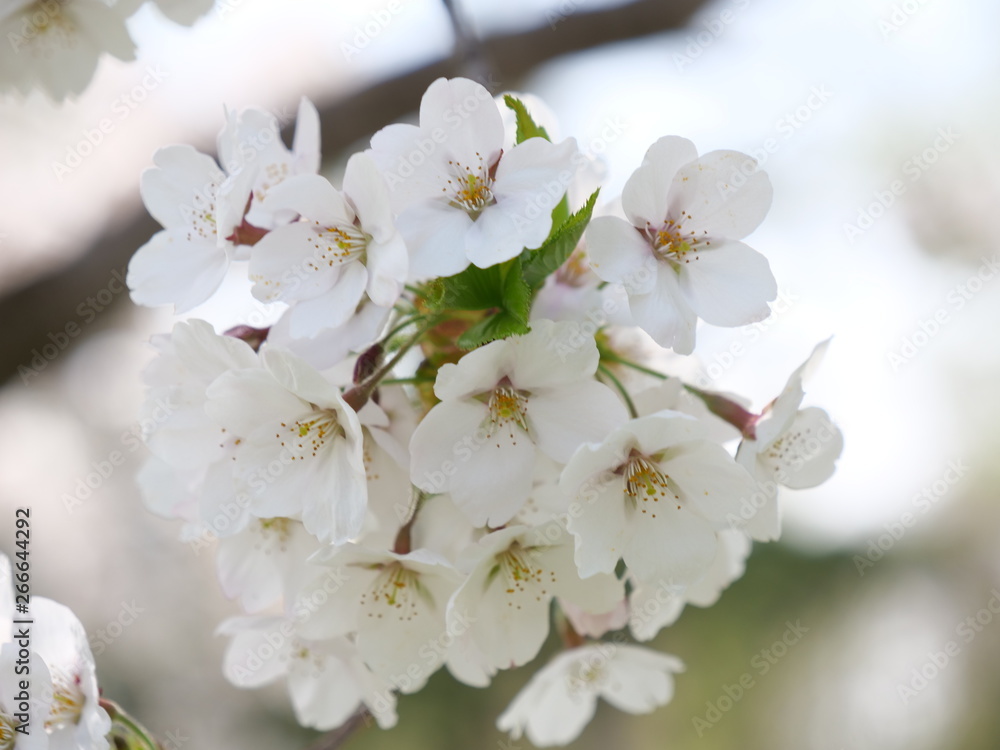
(468, 52)
(336, 738)
(38, 314)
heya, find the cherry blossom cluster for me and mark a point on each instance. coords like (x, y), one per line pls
(55, 45)
(434, 457)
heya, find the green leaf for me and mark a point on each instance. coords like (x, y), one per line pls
(526, 126)
(500, 288)
(516, 293)
(498, 326)
(476, 288)
(560, 214)
(472, 289)
(538, 264)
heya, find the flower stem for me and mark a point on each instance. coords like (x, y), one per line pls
(729, 410)
(408, 320)
(722, 407)
(408, 381)
(127, 727)
(621, 389)
(358, 396)
(611, 356)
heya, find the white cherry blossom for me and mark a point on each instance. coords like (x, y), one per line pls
(56, 45)
(75, 720)
(461, 197)
(301, 451)
(791, 447)
(31, 736)
(256, 160)
(654, 494)
(396, 604)
(678, 255)
(506, 597)
(503, 404)
(184, 263)
(327, 680)
(264, 561)
(561, 698)
(345, 246)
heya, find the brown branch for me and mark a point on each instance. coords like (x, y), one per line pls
(339, 736)
(55, 311)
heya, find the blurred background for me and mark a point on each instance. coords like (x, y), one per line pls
(877, 121)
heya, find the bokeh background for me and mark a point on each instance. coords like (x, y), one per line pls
(839, 99)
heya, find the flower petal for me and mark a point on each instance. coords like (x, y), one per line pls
(561, 419)
(664, 313)
(729, 284)
(619, 254)
(706, 190)
(171, 269)
(435, 236)
(645, 196)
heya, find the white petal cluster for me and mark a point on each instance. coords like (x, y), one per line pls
(203, 207)
(438, 456)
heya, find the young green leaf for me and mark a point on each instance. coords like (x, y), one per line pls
(498, 326)
(526, 126)
(538, 264)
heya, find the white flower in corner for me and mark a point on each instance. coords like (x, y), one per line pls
(31, 735)
(57, 44)
(679, 256)
(345, 246)
(460, 196)
(76, 721)
(301, 453)
(561, 698)
(792, 447)
(654, 493)
(500, 406)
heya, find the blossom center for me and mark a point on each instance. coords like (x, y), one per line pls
(67, 701)
(471, 190)
(396, 589)
(341, 244)
(645, 484)
(508, 409)
(588, 675)
(200, 214)
(672, 243)
(8, 734)
(520, 575)
(310, 434)
(278, 529)
(52, 29)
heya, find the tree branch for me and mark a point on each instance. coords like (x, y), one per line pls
(57, 309)
(339, 736)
